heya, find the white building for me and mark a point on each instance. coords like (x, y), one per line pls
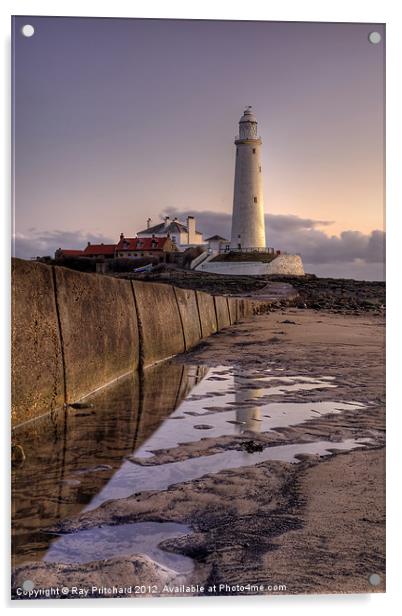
(218, 244)
(248, 224)
(183, 235)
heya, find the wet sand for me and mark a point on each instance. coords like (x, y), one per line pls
(316, 526)
(339, 503)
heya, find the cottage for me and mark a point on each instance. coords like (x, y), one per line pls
(137, 247)
(67, 254)
(97, 251)
(182, 235)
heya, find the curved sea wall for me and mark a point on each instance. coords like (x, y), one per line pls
(284, 264)
(73, 333)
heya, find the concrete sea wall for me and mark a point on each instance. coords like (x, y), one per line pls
(285, 265)
(161, 332)
(99, 329)
(37, 378)
(73, 333)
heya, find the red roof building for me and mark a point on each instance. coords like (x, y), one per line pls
(64, 254)
(127, 247)
(100, 250)
(143, 246)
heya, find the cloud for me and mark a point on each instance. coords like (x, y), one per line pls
(299, 235)
(41, 243)
(220, 222)
(283, 223)
(358, 270)
(351, 254)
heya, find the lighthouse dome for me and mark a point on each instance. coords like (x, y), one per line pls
(248, 116)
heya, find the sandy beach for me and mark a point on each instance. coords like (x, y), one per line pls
(316, 526)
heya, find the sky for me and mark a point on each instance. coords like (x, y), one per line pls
(118, 120)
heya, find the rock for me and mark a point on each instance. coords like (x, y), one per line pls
(252, 446)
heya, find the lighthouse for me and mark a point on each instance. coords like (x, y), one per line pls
(248, 225)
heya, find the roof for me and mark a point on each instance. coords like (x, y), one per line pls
(99, 249)
(216, 238)
(174, 227)
(70, 253)
(141, 243)
(248, 115)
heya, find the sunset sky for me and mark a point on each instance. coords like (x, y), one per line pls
(120, 120)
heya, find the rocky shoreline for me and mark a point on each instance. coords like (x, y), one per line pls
(342, 296)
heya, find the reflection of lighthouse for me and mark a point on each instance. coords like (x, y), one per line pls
(248, 225)
(248, 416)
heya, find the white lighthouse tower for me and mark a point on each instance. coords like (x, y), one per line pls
(248, 225)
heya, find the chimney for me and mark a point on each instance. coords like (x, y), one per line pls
(121, 236)
(89, 243)
(149, 220)
(167, 221)
(191, 229)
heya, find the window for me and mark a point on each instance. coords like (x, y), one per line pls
(253, 150)
(259, 168)
(255, 199)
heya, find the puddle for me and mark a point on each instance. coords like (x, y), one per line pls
(75, 461)
(119, 541)
(248, 420)
(132, 478)
(238, 404)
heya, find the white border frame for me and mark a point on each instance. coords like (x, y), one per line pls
(287, 10)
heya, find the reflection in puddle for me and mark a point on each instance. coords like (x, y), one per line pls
(77, 459)
(122, 540)
(132, 478)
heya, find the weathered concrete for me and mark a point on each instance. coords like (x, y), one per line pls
(159, 318)
(188, 309)
(74, 333)
(240, 308)
(245, 308)
(207, 313)
(98, 328)
(287, 265)
(37, 366)
(234, 309)
(222, 311)
(235, 268)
